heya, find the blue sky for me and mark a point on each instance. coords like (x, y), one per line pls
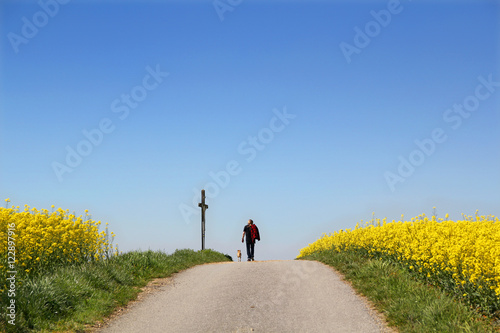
(312, 115)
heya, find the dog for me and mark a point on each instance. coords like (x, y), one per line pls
(239, 255)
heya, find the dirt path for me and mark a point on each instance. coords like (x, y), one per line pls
(266, 296)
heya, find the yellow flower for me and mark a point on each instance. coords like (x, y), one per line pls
(44, 239)
(467, 249)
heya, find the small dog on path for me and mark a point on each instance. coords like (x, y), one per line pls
(239, 255)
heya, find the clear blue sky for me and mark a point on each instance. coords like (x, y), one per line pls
(172, 93)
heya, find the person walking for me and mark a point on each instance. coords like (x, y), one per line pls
(251, 232)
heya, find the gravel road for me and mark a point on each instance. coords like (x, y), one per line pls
(261, 296)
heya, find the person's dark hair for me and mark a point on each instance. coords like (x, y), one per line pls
(251, 221)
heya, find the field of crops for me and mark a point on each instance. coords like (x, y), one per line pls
(33, 241)
(60, 273)
(461, 256)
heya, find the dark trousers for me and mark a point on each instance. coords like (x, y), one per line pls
(250, 250)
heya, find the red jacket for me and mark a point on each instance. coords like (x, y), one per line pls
(255, 233)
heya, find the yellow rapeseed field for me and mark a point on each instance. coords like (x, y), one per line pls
(466, 251)
(42, 240)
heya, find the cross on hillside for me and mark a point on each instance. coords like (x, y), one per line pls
(203, 207)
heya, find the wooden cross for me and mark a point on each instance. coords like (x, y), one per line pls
(203, 207)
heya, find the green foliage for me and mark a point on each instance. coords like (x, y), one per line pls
(408, 304)
(71, 297)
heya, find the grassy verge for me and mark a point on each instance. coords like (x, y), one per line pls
(407, 304)
(71, 298)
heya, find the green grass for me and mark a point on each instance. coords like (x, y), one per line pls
(72, 298)
(406, 303)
